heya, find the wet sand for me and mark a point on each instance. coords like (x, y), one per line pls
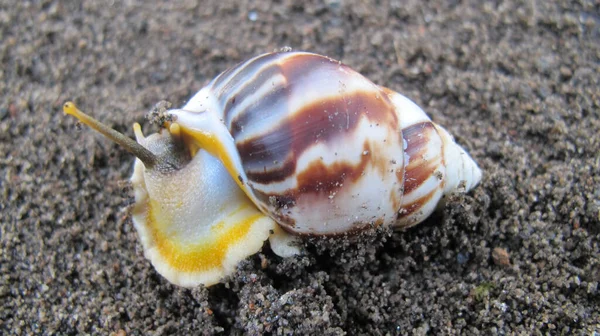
(516, 83)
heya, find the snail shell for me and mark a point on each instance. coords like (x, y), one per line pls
(293, 141)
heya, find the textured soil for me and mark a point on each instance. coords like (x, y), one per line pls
(516, 82)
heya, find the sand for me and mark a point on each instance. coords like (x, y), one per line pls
(516, 82)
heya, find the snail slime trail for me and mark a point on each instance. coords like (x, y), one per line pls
(284, 145)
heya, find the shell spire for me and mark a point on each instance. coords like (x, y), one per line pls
(435, 165)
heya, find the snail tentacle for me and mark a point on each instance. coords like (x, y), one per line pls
(146, 156)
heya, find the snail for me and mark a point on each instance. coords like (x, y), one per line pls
(284, 145)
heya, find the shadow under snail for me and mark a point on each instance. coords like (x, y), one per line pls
(283, 145)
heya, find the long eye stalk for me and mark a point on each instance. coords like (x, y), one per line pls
(146, 156)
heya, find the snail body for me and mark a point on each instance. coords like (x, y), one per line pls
(285, 143)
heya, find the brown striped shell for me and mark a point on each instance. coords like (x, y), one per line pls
(321, 149)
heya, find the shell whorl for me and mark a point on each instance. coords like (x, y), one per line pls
(318, 141)
(435, 164)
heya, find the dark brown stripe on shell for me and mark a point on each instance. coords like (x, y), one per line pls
(419, 170)
(411, 208)
(291, 67)
(317, 182)
(321, 121)
(415, 176)
(246, 91)
(262, 109)
(319, 179)
(248, 69)
(297, 66)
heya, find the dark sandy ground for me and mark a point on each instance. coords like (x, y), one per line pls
(517, 83)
